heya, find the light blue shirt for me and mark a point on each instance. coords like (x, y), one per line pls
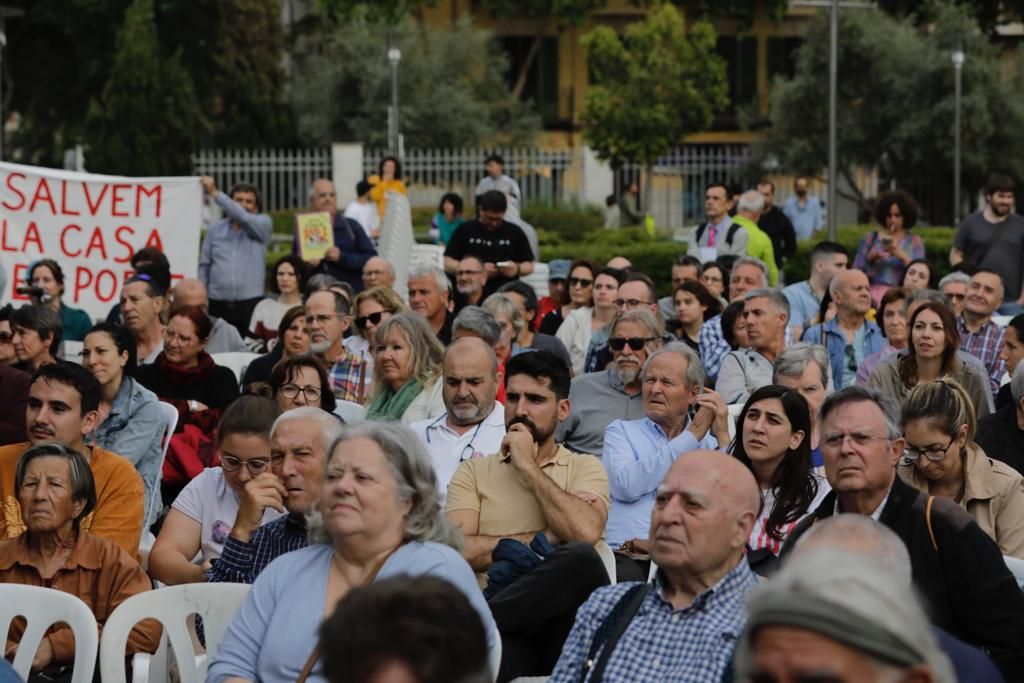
(637, 454)
(276, 628)
(132, 430)
(805, 219)
(232, 262)
(804, 304)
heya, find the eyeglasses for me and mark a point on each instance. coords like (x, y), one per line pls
(860, 439)
(322, 319)
(256, 466)
(712, 278)
(912, 453)
(635, 343)
(580, 282)
(956, 297)
(311, 393)
(630, 303)
(374, 318)
(467, 273)
(6, 337)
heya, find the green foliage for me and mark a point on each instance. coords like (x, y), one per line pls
(937, 241)
(61, 57)
(146, 118)
(651, 87)
(896, 101)
(563, 11)
(988, 13)
(452, 91)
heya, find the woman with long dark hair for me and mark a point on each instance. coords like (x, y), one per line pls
(931, 354)
(773, 440)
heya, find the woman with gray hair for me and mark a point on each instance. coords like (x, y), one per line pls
(378, 516)
(406, 371)
(56, 491)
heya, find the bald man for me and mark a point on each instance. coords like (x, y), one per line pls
(378, 272)
(352, 247)
(849, 337)
(473, 424)
(224, 338)
(705, 509)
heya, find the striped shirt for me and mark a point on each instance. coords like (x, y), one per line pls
(242, 562)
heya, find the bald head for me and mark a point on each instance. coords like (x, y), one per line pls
(620, 263)
(378, 272)
(191, 292)
(470, 381)
(850, 290)
(858, 535)
(702, 517)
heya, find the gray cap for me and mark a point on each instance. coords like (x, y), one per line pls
(559, 269)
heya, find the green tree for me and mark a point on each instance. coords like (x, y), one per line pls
(452, 91)
(651, 87)
(147, 118)
(896, 102)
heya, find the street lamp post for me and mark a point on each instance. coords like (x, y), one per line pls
(394, 57)
(958, 67)
(833, 96)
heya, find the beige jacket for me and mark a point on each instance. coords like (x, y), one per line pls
(993, 497)
(885, 378)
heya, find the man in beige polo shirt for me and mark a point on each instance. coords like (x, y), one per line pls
(533, 503)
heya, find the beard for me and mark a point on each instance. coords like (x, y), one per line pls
(467, 289)
(320, 347)
(468, 413)
(539, 435)
(628, 374)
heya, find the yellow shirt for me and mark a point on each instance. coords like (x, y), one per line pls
(494, 489)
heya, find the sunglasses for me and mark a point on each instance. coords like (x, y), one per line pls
(580, 282)
(6, 337)
(374, 318)
(635, 343)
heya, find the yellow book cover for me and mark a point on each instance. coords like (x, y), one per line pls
(315, 234)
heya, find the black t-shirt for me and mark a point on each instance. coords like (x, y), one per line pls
(996, 246)
(506, 242)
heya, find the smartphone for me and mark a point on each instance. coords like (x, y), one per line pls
(504, 264)
(887, 241)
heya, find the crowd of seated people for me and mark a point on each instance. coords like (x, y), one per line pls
(601, 483)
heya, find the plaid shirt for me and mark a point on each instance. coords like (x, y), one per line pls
(242, 562)
(347, 375)
(663, 643)
(985, 345)
(713, 346)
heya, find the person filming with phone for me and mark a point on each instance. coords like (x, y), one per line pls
(501, 246)
(680, 416)
(885, 253)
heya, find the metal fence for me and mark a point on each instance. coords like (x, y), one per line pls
(678, 181)
(429, 173)
(283, 176)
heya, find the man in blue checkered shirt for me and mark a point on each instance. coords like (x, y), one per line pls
(690, 617)
(298, 455)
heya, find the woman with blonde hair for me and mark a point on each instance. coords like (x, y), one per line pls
(370, 308)
(941, 458)
(406, 371)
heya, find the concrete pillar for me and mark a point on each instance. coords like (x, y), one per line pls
(346, 170)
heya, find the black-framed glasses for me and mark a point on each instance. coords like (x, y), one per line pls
(912, 453)
(635, 343)
(630, 303)
(467, 273)
(6, 337)
(311, 393)
(256, 466)
(374, 318)
(859, 439)
(580, 282)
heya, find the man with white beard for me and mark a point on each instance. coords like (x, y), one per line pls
(327, 318)
(599, 398)
(473, 424)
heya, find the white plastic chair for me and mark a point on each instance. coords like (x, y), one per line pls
(350, 411)
(734, 411)
(494, 655)
(608, 557)
(169, 421)
(1016, 567)
(216, 603)
(538, 279)
(42, 608)
(236, 361)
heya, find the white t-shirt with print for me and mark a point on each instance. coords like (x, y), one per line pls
(210, 501)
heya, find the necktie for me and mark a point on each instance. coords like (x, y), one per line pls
(711, 235)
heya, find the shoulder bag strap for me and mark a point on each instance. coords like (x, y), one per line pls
(610, 630)
(928, 521)
(314, 656)
(732, 232)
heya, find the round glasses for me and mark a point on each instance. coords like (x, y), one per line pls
(256, 466)
(311, 393)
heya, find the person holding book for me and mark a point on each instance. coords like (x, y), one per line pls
(351, 248)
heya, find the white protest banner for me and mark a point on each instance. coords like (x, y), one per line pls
(91, 225)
